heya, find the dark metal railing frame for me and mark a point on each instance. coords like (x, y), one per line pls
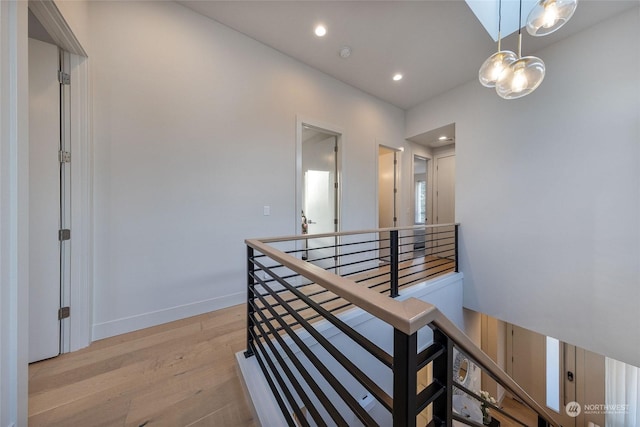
(405, 363)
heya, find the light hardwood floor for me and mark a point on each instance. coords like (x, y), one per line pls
(179, 374)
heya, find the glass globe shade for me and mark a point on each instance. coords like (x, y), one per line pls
(494, 66)
(520, 78)
(549, 15)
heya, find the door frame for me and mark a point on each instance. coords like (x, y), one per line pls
(398, 181)
(436, 176)
(77, 291)
(14, 213)
(331, 130)
(429, 176)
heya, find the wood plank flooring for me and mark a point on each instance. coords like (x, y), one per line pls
(177, 374)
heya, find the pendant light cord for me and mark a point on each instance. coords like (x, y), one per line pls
(499, 23)
(520, 31)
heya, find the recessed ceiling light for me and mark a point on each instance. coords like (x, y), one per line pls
(442, 138)
(320, 30)
(397, 77)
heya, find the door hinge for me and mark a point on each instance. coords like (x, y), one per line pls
(335, 221)
(64, 78)
(64, 156)
(64, 234)
(335, 185)
(64, 312)
(335, 148)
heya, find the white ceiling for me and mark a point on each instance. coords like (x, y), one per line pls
(437, 45)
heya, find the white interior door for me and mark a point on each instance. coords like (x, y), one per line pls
(44, 201)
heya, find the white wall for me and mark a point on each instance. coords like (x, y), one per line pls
(194, 132)
(548, 194)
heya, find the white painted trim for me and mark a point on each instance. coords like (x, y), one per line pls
(153, 318)
(52, 20)
(81, 292)
(14, 213)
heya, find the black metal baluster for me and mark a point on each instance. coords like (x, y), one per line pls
(542, 422)
(250, 300)
(405, 371)
(393, 247)
(443, 374)
(455, 247)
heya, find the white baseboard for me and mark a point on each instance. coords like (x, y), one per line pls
(153, 318)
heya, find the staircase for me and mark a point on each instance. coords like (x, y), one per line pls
(344, 336)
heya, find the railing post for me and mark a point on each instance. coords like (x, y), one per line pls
(443, 374)
(455, 247)
(405, 372)
(250, 299)
(393, 267)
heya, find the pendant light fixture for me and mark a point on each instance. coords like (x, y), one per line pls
(498, 62)
(549, 15)
(522, 76)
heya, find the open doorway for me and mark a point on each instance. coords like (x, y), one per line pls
(49, 194)
(46, 199)
(58, 128)
(387, 194)
(318, 196)
(435, 153)
(421, 194)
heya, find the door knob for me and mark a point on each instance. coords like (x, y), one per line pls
(570, 376)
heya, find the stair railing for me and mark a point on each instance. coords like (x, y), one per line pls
(291, 302)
